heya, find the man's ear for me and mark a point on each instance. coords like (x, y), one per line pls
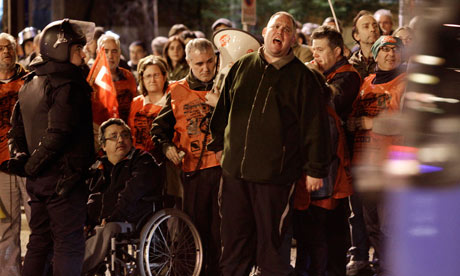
(264, 31)
(355, 36)
(338, 52)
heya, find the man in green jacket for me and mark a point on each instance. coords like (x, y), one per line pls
(272, 125)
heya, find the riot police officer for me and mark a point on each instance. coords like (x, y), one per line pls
(51, 141)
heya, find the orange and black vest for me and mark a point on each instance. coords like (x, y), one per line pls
(343, 181)
(8, 97)
(369, 147)
(126, 91)
(342, 69)
(191, 134)
(140, 121)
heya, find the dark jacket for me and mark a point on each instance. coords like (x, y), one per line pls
(125, 191)
(52, 123)
(274, 120)
(346, 83)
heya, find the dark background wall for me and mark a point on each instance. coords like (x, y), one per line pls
(134, 19)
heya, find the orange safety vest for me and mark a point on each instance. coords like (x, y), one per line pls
(126, 90)
(369, 147)
(8, 97)
(192, 123)
(342, 69)
(140, 121)
(343, 182)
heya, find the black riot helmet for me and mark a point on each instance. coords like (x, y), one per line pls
(59, 36)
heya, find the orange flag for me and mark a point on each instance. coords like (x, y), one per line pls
(104, 99)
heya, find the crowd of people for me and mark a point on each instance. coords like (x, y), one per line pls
(266, 161)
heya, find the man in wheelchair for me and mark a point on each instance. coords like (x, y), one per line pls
(123, 185)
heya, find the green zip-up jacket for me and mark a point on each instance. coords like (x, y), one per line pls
(271, 121)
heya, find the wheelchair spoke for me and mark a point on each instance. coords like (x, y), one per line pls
(153, 268)
(165, 242)
(171, 246)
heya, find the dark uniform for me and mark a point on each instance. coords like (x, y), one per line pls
(52, 135)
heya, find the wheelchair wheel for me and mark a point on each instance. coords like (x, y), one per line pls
(170, 245)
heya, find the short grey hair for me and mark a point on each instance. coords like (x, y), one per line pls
(12, 41)
(200, 44)
(382, 12)
(158, 44)
(106, 37)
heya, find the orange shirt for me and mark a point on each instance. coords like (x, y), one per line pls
(141, 116)
(192, 120)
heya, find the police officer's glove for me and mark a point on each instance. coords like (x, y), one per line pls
(15, 165)
(38, 160)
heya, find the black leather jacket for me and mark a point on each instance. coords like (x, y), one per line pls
(52, 124)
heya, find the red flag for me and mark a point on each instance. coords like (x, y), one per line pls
(104, 99)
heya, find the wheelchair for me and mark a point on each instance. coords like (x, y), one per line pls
(167, 244)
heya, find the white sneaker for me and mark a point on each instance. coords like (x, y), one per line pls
(353, 267)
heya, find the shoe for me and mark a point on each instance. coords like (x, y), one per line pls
(354, 267)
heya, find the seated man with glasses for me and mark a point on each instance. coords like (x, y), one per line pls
(123, 184)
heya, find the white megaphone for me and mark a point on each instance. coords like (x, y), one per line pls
(232, 44)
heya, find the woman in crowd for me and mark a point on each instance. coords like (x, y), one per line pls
(152, 72)
(153, 83)
(406, 34)
(174, 53)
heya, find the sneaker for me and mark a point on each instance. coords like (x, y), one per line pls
(354, 267)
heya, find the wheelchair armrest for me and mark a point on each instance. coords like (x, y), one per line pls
(121, 227)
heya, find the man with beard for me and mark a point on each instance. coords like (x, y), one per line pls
(365, 32)
(12, 188)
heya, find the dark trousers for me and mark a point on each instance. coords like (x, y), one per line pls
(200, 203)
(255, 220)
(378, 224)
(322, 240)
(359, 239)
(56, 226)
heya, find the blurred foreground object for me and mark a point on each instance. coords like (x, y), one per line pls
(423, 203)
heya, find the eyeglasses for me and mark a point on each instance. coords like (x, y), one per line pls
(9, 47)
(150, 76)
(387, 49)
(125, 135)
